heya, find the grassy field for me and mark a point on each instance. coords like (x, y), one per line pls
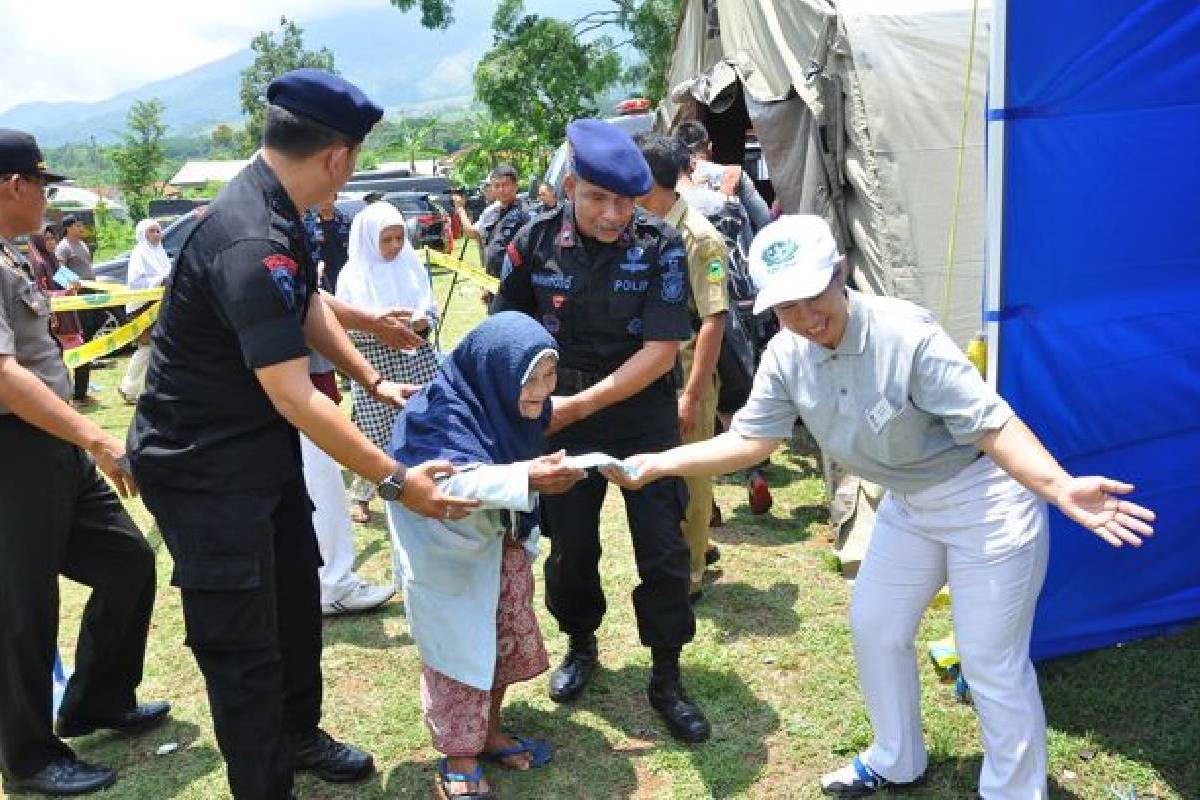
(771, 665)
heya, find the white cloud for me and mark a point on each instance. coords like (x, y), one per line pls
(88, 51)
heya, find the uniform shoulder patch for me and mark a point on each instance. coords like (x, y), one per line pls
(283, 270)
(714, 270)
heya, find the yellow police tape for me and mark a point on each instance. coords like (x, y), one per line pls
(103, 345)
(106, 298)
(463, 269)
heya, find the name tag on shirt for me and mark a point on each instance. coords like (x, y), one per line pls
(880, 414)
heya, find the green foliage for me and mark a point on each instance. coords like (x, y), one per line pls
(410, 140)
(112, 236)
(272, 58)
(206, 192)
(435, 14)
(540, 75)
(648, 24)
(140, 158)
(226, 143)
(490, 142)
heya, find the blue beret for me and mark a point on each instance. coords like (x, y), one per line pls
(606, 156)
(325, 98)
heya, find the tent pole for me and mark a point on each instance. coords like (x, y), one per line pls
(994, 234)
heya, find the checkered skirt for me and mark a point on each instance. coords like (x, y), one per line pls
(376, 419)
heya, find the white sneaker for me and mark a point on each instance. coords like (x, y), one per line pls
(362, 598)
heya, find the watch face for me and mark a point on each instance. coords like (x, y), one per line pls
(388, 490)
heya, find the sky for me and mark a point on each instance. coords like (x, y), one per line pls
(92, 49)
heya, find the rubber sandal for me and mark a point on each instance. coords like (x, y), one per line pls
(442, 781)
(540, 753)
(359, 514)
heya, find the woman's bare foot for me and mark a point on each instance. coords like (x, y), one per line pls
(499, 741)
(464, 766)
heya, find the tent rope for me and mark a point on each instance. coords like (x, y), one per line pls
(962, 146)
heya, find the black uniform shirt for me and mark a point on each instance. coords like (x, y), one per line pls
(497, 234)
(236, 301)
(602, 302)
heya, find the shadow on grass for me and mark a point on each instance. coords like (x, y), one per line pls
(740, 609)
(743, 527)
(373, 548)
(144, 773)
(367, 630)
(729, 763)
(958, 779)
(1141, 701)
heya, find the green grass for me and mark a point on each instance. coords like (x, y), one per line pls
(771, 665)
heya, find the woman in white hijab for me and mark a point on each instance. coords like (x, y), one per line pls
(383, 272)
(148, 268)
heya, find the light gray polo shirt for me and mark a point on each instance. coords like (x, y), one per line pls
(25, 324)
(76, 257)
(896, 402)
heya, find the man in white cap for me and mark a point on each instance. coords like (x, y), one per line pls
(884, 390)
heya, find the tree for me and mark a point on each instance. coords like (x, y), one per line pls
(272, 58)
(226, 142)
(141, 156)
(540, 75)
(648, 24)
(411, 139)
(490, 142)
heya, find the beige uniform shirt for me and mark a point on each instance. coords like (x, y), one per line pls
(706, 260)
(25, 323)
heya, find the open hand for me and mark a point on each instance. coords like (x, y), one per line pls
(549, 475)
(1090, 501)
(394, 328)
(395, 394)
(644, 468)
(423, 496)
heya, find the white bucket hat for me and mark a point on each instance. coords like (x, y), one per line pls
(791, 259)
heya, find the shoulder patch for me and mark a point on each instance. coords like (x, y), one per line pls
(715, 270)
(283, 270)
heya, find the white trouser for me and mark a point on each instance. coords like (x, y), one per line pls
(988, 536)
(335, 531)
(134, 382)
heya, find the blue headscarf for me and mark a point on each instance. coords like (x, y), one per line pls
(468, 414)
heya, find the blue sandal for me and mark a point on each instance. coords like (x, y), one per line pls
(856, 779)
(540, 753)
(445, 777)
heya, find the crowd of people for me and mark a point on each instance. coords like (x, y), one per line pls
(237, 445)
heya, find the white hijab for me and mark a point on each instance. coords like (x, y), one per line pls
(371, 283)
(149, 264)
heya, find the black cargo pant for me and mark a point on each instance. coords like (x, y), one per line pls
(572, 523)
(246, 567)
(58, 516)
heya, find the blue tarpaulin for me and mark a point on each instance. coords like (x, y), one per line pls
(1099, 291)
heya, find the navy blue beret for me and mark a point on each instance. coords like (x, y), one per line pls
(325, 98)
(606, 156)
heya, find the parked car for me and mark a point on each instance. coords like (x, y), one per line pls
(114, 270)
(428, 220)
(634, 116)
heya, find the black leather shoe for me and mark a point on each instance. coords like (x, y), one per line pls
(712, 555)
(684, 718)
(135, 720)
(577, 668)
(332, 761)
(65, 777)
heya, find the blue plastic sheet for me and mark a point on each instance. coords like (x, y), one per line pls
(1100, 293)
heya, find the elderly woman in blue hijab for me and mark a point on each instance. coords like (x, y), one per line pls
(468, 584)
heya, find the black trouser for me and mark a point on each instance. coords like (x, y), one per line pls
(58, 516)
(246, 566)
(572, 523)
(89, 322)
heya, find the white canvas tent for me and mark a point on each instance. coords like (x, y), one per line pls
(859, 108)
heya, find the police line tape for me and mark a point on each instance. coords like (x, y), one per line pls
(463, 269)
(106, 298)
(103, 345)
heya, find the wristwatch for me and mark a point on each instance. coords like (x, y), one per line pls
(393, 484)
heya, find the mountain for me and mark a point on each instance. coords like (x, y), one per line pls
(398, 63)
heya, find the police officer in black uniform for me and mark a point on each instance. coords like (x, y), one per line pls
(58, 517)
(498, 223)
(215, 447)
(609, 282)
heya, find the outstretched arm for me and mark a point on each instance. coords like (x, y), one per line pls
(723, 454)
(1091, 501)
